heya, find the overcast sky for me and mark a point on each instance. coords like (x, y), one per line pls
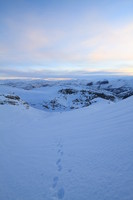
(63, 37)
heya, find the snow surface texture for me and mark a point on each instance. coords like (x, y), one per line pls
(78, 155)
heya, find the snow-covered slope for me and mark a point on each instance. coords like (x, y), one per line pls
(79, 155)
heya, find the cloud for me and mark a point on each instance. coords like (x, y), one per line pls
(89, 43)
(114, 44)
(45, 73)
(30, 40)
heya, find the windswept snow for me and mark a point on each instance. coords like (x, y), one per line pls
(78, 155)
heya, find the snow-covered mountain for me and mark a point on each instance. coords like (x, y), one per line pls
(78, 155)
(67, 95)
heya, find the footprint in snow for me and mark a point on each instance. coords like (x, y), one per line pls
(61, 193)
(58, 194)
(59, 168)
(58, 161)
(55, 181)
(59, 150)
(59, 145)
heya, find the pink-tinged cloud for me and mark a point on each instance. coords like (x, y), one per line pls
(90, 46)
(114, 45)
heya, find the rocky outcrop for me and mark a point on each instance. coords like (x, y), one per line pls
(13, 100)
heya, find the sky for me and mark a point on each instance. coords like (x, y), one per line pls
(43, 38)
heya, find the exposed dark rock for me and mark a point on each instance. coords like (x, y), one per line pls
(54, 104)
(29, 87)
(71, 107)
(128, 94)
(45, 85)
(26, 105)
(1, 102)
(105, 96)
(13, 97)
(89, 84)
(102, 82)
(83, 91)
(121, 92)
(11, 102)
(87, 104)
(68, 91)
(45, 106)
(76, 101)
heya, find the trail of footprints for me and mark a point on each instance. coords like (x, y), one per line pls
(60, 193)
